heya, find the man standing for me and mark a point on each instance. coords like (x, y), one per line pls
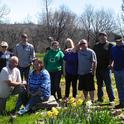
(9, 79)
(103, 72)
(117, 56)
(86, 68)
(25, 52)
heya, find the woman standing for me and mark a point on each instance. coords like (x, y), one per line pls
(4, 54)
(53, 61)
(70, 68)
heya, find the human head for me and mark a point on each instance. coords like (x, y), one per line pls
(55, 45)
(13, 62)
(50, 39)
(37, 64)
(118, 40)
(4, 45)
(69, 43)
(83, 44)
(24, 37)
(102, 37)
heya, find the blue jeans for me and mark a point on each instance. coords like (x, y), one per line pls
(104, 76)
(32, 101)
(55, 84)
(22, 98)
(119, 79)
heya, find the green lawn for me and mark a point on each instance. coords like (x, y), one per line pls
(32, 118)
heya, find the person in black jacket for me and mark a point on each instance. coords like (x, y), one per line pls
(5, 54)
(103, 71)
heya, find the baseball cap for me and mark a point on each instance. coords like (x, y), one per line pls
(118, 38)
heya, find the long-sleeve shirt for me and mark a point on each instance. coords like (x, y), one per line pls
(40, 82)
(25, 53)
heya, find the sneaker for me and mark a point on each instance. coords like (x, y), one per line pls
(22, 111)
(112, 103)
(119, 106)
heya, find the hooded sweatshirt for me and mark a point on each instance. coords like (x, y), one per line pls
(53, 60)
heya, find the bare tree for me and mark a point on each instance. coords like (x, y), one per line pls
(94, 21)
(45, 14)
(62, 23)
(4, 11)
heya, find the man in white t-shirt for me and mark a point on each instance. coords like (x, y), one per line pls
(9, 79)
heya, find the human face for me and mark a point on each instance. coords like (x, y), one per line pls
(4, 48)
(13, 63)
(55, 46)
(119, 42)
(24, 39)
(37, 65)
(102, 38)
(83, 44)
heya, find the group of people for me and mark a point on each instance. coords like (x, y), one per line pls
(16, 78)
(75, 62)
(79, 62)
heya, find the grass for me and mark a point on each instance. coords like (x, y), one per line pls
(32, 118)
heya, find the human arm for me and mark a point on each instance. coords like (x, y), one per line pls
(13, 79)
(94, 63)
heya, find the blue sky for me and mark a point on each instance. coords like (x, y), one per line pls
(21, 9)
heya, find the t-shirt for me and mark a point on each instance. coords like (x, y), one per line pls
(85, 60)
(7, 74)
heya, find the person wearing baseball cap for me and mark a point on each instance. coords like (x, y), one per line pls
(103, 71)
(117, 60)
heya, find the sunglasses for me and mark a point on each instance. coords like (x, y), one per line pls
(4, 46)
(82, 43)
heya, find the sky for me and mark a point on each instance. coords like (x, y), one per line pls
(21, 9)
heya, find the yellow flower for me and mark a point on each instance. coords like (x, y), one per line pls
(49, 114)
(55, 111)
(71, 100)
(73, 104)
(79, 102)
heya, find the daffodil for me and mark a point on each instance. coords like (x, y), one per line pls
(71, 100)
(55, 111)
(73, 104)
(79, 102)
(49, 114)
